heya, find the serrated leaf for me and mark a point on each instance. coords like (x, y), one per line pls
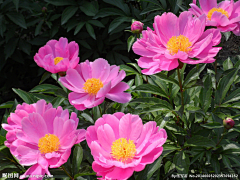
(17, 18)
(68, 13)
(90, 30)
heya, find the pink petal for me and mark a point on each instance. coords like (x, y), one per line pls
(120, 173)
(152, 156)
(220, 18)
(113, 121)
(100, 69)
(145, 62)
(119, 97)
(61, 48)
(195, 10)
(104, 90)
(80, 133)
(130, 127)
(120, 87)
(34, 170)
(97, 150)
(77, 98)
(91, 135)
(74, 78)
(207, 5)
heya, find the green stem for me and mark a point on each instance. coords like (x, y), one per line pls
(215, 67)
(100, 110)
(221, 137)
(181, 89)
(67, 172)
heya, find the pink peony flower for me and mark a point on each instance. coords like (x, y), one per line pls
(58, 56)
(91, 82)
(41, 136)
(225, 15)
(121, 144)
(176, 39)
(137, 27)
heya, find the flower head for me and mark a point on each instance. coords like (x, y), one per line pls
(121, 144)
(91, 82)
(41, 136)
(228, 123)
(58, 56)
(225, 15)
(137, 27)
(176, 39)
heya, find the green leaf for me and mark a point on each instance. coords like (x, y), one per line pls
(96, 23)
(164, 77)
(77, 158)
(45, 76)
(38, 28)
(89, 9)
(27, 97)
(128, 69)
(182, 162)
(227, 64)
(108, 12)
(62, 2)
(17, 18)
(25, 46)
(138, 80)
(215, 164)
(10, 47)
(16, 3)
(79, 27)
(151, 9)
(226, 161)
(194, 74)
(57, 101)
(8, 104)
(233, 96)
(90, 30)
(224, 85)
(200, 141)
(87, 117)
(148, 88)
(44, 87)
(153, 108)
(120, 4)
(212, 125)
(130, 42)
(227, 34)
(206, 93)
(68, 13)
(117, 22)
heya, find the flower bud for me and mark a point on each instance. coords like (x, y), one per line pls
(137, 27)
(228, 123)
(44, 9)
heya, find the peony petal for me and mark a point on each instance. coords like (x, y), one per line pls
(207, 5)
(119, 97)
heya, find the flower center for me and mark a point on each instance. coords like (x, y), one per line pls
(122, 150)
(92, 86)
(57, 60)
(49, 143)
(209, 15)
(177, 43)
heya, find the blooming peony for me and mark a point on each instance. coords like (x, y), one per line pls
(176, 39)
(41, 136)
(91, 82)
(58, 56)
(121, 144)
(225, 15)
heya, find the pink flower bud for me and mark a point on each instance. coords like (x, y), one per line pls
(228, 123)
(137, 27)
(44, 9)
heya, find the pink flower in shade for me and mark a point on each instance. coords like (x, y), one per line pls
(121, 144)
(91, 82)
(176, 39)
(58, 56)
(225, 15)
(41, 136)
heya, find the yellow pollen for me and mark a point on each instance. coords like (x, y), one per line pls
(209, 15)
(92, 86)
(122, 150)
(49, 143)
(57, 60)
(178, 43)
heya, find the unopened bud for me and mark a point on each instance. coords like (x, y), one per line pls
(137, 27)
(228, 123)
(44, 9)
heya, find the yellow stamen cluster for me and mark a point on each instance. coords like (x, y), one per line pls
(57, 60)
(122, 150)
(92, 86)
(209, 15)
(49, 143)
(177, 43)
